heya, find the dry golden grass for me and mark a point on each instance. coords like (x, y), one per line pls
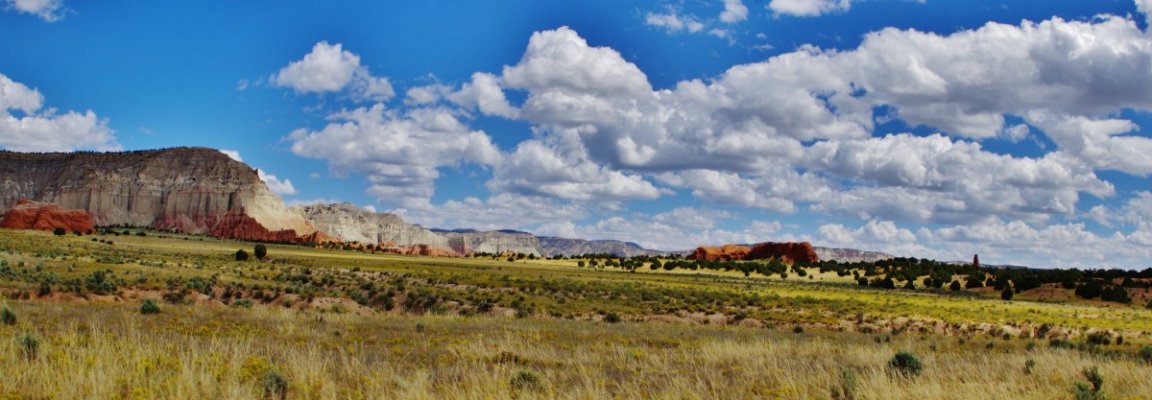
(111, 351)
(101, 347)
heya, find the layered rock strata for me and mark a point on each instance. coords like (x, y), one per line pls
(192, 190)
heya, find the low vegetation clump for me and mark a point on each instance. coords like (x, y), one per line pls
(149, 306)
(905, 364)
(1092, 390)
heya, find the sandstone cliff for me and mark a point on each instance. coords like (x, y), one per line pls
(552, 246)
(801, 252)
(349, 223)
(728, 252)
(194, 190)
(43, 216)
(493, 242)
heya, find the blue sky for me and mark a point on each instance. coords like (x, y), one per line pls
(1016, 130)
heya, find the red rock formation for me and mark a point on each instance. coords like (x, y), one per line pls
(45, 216)
(722, 253)
(316, 238)
(789, 252)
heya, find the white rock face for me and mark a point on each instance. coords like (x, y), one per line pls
(497, 242)
(350, 223)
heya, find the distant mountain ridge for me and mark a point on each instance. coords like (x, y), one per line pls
(554, 246)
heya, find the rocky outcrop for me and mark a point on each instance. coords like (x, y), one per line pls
(193, 190)
(348, 223)
(790, 252)
(43, 216)
(426, 250)
(850, 255)
(493, 242)
(552, 246)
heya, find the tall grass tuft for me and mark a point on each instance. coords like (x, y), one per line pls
(525, 381)
(7, 316)
(274, 384)
(29, 345)
(849, 385)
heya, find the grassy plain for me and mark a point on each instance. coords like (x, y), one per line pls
(318, 324)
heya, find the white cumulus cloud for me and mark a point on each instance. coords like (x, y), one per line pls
(673, 22)
(48, 10)
(26, 126)
(808, 8)
(330, 68)
(734, 11)
(400, 152)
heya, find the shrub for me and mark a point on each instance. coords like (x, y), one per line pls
(611, 318)
(1058, 343)
(525, 381)
(905, 364)
(1006, 294)
(260, 252)
(954, 286)
(1099, 338)
(7, 316)
(274, 385)
(1092, 389)
(101, 283)
(1145, 353)
(149, 306)
(1029, 366)
(44, 290)
(241, 255)
(59, 231)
